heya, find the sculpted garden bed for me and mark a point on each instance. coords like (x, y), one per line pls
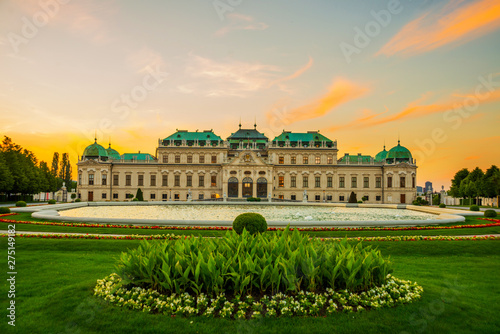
(281, 274)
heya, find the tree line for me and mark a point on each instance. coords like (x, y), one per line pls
(476, 183)
(22, 174)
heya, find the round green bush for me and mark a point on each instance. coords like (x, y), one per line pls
(490, 213)
(252, 222)
(52, 201)
(4, 210)
(21, 204)
(474, 208)
(442, 205)
(78, 200)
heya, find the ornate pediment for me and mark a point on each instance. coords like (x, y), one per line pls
(90, 162)
(248, 158)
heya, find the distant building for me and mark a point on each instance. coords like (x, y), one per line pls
(201, 165)
(428, 187)
(420, 190)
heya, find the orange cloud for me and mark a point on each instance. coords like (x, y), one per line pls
(339, 92)
(450, 25)
(296, 74)
(473, 157)
(416, 110)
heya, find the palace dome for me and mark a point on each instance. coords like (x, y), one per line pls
(381, 156)
(113, 154)
(399, 154)
(95, 151)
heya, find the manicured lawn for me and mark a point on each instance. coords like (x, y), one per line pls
(56, 277)
(322, 234)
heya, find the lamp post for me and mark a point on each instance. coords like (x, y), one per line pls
(170, 196)
(324, 198)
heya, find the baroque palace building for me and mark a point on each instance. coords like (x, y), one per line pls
(201, 165)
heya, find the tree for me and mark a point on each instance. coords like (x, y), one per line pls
(352, 198)
(139, 195)
(490, 183)
(6, 181)
(65, 171)
(455, 182)
(471, 186)
(55, 164)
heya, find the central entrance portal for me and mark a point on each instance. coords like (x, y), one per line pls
(247, 187)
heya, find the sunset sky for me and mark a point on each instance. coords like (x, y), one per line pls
(361, 72)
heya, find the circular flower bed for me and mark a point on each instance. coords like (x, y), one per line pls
(394, 292)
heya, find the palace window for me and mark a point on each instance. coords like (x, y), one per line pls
(213, 181)
(79, 179)
(281, 160)
(104, 179)
(165, 159)
(378, 182)
(153, 181)
(317, 198)
(140, 180)
(305, 160)
(378, 198)
(177, 180)
(413, 181)
(201, 181)
(389, 182)
(366, 182)
(341, 198)
(354, 182)
(190, 159)
(91, 179)
(281, 181)
(329, 182)
(281, 196)
(152, 196)
(402, 181)
(115, 196)
(200, 196)
(164, 180)
(293, 182)
(329, 197)
(329, 160)
(177, 159)
(293, 197)
(164, 197)
(189, 180)
(128, 180)
(318, 160)
(115, 180)
(103, 195)
(176, 197)
(293, 160)
(341, 182)
(305, 182)
(214, 159)
(317, 181)
(202, 159)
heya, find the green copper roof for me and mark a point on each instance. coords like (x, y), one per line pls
(381, 155)
(192, 136)
(95, 150)
(398, 153)
(137, 157)
(245, 134)
(112, 153)
(303, 136)
(354, 159)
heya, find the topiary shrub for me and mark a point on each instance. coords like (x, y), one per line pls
(21, 204)
(253, 199)
(474, 208)
(352, 198)
(4, 210)
(135, 200)
(78, 200)
(442, 205)
(139, 195)
(360, 201)
(252, 222)
(52, 201)
(490, 213)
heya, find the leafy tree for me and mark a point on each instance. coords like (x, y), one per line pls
(55, 164)
(456, 181)
(471, 186)
(6, 181)
(490, 183)
(65, 171)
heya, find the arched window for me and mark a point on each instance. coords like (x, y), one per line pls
(262, 187)
(247, 187)
(232, 187)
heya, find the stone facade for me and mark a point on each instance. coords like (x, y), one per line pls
(245, 167)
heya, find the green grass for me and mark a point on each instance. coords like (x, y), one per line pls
(321, 234)
(56, 277)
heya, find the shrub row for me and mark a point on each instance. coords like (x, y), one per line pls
(243, 264)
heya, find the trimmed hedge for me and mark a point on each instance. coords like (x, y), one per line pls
(474, 208)
(21, 204)
(490, 213)
(78, 200)
(253, 199)
(4, 210)
(442, 205)
(252, 222)
(52, 201)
